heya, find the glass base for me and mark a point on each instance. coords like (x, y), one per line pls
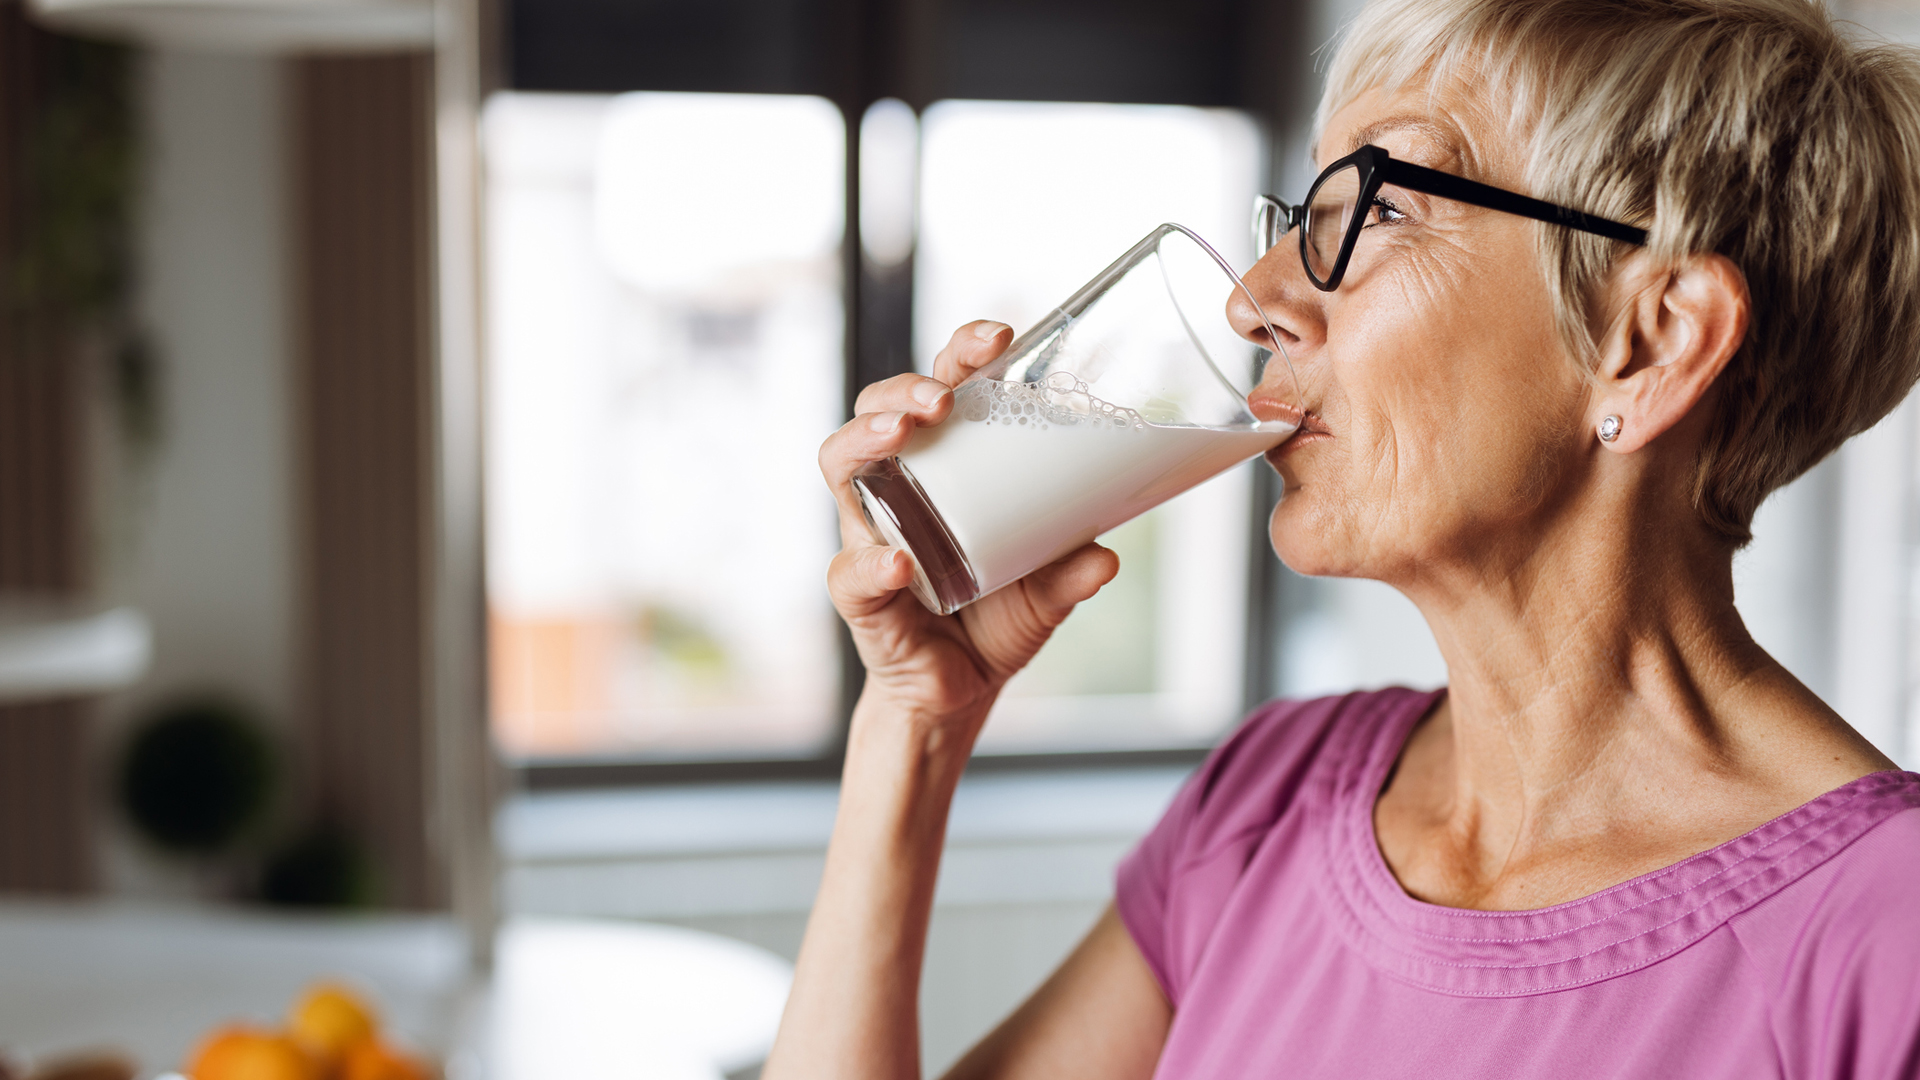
(900, 515)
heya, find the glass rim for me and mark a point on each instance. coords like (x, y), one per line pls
(1084, 298)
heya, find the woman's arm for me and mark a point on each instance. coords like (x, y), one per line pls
(853, 1013)
(1100, 1015)
(854, 1010)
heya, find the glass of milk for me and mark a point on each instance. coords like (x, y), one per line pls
(1129, 393)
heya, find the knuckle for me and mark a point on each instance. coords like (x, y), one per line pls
(849, 564)
(877, 396)
(829, 454)
(840, 585)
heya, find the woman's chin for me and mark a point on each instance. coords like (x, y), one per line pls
(1310, 565)
(1302, 547)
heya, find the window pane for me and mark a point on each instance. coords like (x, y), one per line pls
(664, 356)
(1020, 204)
(1342, 634)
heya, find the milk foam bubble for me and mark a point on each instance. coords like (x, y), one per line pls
(1060, 400)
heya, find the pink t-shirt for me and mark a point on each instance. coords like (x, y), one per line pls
(1288, 949)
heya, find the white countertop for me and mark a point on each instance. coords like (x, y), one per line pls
(568, 998)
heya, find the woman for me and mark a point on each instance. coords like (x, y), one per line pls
(1623, 841)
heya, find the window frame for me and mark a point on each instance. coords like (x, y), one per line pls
(859, 52)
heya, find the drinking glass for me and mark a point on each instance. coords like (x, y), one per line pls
(1129, 393)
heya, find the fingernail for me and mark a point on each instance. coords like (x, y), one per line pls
(885, 422)
(930, 392)
(987, 331)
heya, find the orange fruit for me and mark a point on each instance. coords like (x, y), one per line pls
(245, 1053)
(328, 1021)
(374, 1060)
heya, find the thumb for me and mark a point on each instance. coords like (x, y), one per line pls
(1056, 589)
(1008, 627)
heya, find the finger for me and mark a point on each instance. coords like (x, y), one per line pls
(1008, 627)
(863, 439)
(972, 347)
(1054, 590)
(928, 400)
(871, 437)
(862, 580)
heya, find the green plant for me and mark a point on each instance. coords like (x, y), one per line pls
(198, 777)
(322, 867)
(78, 169)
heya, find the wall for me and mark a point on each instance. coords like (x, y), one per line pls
(45, 815)
(1876, 649)
(199, 532)
(362, 167)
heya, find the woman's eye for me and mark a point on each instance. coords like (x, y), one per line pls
(1383, 212)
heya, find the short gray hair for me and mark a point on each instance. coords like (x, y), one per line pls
(1755, 129)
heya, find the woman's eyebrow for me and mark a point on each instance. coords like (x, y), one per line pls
(1419, 124)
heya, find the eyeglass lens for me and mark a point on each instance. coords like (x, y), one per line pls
(1269, 225)
(1330, 209)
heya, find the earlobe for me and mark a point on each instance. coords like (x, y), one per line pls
(1677, 330)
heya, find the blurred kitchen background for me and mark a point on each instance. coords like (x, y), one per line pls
(411, 548)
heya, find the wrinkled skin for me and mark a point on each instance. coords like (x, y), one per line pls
(1458, 413)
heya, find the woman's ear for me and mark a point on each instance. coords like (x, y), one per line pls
(1673, 330)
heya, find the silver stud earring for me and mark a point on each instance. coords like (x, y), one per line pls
(1609, 428)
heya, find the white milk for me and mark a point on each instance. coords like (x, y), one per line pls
(1025, 473)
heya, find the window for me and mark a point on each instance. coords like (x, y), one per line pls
(670, 337)
(665, 353)
(1020, 204)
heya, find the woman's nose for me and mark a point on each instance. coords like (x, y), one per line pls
(1279, 285)
(1293, 327)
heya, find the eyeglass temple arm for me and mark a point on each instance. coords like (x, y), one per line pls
(1460, 189)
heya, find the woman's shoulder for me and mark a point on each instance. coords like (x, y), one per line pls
(1281, 742)
(1860, 846)
(1842, 941)
(1286, 759)
(1289, 751)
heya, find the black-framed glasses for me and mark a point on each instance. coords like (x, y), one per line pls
(1339, 201)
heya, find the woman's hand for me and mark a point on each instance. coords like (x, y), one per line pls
(940, 669)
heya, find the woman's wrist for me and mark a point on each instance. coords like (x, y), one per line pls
(906, 746)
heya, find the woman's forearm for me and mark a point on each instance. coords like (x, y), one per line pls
(854, 1010)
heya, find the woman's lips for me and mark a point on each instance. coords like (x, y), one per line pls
(1312, 430)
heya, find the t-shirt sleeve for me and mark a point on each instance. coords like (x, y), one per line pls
(1170, 890)
(1871, 1026)
(1145, 879)
(1846, 984)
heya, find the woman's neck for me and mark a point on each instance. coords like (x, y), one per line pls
(1608, 714)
